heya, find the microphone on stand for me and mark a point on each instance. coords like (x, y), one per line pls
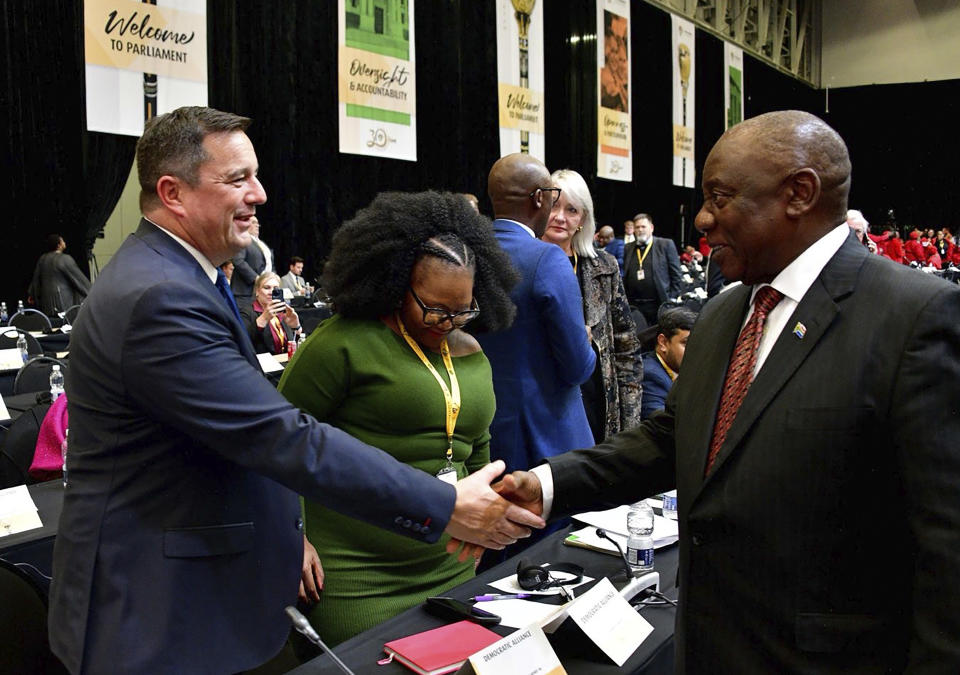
(602, 533)
(304, 628)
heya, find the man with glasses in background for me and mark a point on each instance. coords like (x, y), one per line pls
(541, 361)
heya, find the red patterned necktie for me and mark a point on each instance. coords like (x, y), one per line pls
(740, 371)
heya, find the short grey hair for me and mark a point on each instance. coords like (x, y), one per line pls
(578, 194)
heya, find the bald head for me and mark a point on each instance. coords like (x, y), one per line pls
(514, 186)
(772, 186)
(605, 235)
(790, 140)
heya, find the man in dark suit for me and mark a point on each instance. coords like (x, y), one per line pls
(180, 540)
(57, 281)
(662, 365)
(249, 263)
(819, 508)
(651, 270)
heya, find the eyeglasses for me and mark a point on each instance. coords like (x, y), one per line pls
(555, 190)
(433, 316)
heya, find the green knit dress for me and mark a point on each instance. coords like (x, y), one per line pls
(363, 378)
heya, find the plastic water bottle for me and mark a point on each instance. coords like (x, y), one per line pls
(640, 541)
(670, 504)
(56, 383)
(22, 346)
(63, 453)
(4, 316)
(19, 305)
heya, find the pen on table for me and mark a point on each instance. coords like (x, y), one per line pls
(501, 596)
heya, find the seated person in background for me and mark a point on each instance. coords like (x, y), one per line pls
(293, 279)
(661, 366)
(270, 323)
(394, 367)
(227, 268)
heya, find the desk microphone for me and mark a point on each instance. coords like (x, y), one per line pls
(602, 533)
(304, 628)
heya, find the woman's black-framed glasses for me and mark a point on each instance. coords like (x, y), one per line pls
(433, 316)
(555, 190)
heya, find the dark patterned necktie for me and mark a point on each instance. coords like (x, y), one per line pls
(224, 289)
(740, 371)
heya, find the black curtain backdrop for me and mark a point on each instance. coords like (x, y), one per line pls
(277, 63)
(60, 178)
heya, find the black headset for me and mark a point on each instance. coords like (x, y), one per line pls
(536, 578)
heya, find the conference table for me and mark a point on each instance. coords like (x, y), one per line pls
(577, 654)
(35, 547)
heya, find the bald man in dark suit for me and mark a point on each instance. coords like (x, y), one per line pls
(812, 435)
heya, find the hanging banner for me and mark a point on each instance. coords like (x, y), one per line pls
(614, 152)
(520, 76)
(377, 74)
(684, 98)
(732, 85)
(142, 59)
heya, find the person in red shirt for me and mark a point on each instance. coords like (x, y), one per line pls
(913, 249)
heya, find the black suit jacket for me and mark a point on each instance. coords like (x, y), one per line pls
(247, 265)
(57, 283)
(179, 544)
(666, 266)
(262, 338)
(827, 537)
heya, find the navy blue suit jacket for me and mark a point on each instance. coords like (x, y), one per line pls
(656, 386)
(179, 544)
(540, 362)
(615, 248)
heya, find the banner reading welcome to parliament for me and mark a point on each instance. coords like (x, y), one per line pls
(142, 59)
(377, 105)
(520, 76)
(614, 135)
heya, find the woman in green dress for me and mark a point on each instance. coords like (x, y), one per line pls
(394, 368)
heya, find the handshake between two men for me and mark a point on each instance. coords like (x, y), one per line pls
(493, 515)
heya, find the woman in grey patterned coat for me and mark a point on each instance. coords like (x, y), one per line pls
(612, 396)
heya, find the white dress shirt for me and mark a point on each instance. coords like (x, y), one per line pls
(793, 281)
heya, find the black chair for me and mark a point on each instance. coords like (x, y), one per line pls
(30, 320)
(25, 647)
(70, 314)
(34, 375)
(9, 336)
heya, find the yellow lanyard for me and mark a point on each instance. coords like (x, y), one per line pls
(645, 252)
(452, 400)
(576, 259)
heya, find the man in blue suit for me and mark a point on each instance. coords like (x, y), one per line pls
(541, 361)
(180, 541)
(607, 240)
(662, 365)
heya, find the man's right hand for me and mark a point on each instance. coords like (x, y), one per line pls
(482, 517)
(523, 489)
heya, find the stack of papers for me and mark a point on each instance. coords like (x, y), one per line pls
(18, 513)
(614, 521)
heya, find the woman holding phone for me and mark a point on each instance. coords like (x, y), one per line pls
(270, 321)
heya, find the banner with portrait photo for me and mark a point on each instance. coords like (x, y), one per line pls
(732, 85)
(377, 105)
(142, 59)
(614, 135)
(683, 43)
(520, 76)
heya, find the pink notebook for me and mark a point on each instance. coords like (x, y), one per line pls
(441, 650)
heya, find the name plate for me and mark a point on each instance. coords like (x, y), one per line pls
(525, 652)
(609, 621)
